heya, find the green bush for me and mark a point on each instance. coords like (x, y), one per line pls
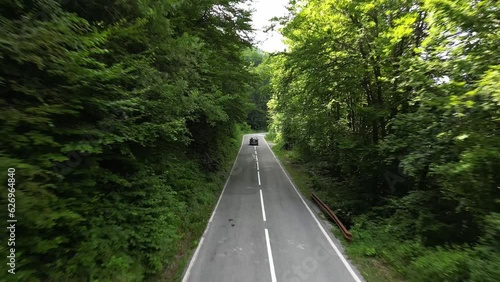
(485, 265)
(377, 238)
(442, 265)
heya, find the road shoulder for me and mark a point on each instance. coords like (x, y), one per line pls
(300, 179)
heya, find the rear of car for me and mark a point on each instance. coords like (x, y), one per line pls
(254, 141)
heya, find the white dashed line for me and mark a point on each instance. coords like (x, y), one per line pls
(262, 204)
(270, 256)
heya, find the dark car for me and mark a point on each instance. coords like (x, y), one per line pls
(254, 141)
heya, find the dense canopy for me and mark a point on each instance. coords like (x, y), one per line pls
(394, 107)
(119, 118)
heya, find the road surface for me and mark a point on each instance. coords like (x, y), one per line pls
(263, 230)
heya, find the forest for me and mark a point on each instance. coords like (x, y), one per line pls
(121, 119)
(392, 109)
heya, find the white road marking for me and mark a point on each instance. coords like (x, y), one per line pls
(257, 158)
(262, 204)
(257, 165)
(258, 176)
(188, 272)
(270, 256)
(342, 258)
(193, 259)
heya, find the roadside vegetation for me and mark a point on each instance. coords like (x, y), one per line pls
(391, 108)
(121, 119)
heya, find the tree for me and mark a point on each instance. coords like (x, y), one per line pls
(259, 67)
(107, 107)
(394, 106)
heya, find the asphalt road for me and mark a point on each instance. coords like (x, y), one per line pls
(263, 230)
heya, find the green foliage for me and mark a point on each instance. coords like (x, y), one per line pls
(380, 239)
(118, 117)
(261, 74)
(443, 265)
(394, 107)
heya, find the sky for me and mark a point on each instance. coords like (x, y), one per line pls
(264, 10)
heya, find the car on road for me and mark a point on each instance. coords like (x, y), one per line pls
(254, 141)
